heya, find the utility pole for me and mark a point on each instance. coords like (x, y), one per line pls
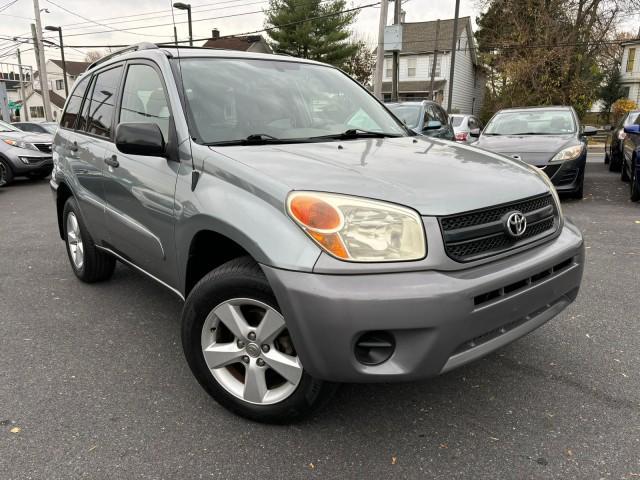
(64, 63)
(397, 9)
(23, 117)
(453, 55)
(435, 59)
(39, 47)
(187, 7)
(377, 86)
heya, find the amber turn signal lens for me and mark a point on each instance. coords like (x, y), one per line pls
(315, 213)
(331, 242)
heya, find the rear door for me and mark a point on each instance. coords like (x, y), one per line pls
(83, 157)
(140, 190)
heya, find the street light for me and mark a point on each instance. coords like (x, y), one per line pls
(187, 7)
(64, 64)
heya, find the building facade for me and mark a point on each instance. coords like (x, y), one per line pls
(426, 43)
(630, 70)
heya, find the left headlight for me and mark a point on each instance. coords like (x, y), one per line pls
(20, 144)
(570, 153)
(358, 229)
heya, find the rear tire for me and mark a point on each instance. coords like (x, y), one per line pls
(223, 318)
(624, 176)
(6, 174)
(88, 263)
(607, 157)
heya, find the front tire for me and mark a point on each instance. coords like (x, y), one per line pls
(239, 349)
(634, 184)
(624, 176)
(88, 263)
(6, 174)
(614, 162)
(579, 191)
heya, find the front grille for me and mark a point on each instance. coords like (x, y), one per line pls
(480, 234)
(43, 147)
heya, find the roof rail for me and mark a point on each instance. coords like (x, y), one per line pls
(132, 48)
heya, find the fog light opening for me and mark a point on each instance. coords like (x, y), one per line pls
(374, 348)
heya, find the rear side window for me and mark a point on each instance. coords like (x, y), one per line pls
(83, 121)
(103, 99)
(143, 98)
(73, 107)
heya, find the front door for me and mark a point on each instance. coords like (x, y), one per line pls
(139, 190)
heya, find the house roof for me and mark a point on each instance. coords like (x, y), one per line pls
(73, 68)
(233, 43)
(56, 99)
(421, 36)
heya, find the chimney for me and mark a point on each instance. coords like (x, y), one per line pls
(215, 34)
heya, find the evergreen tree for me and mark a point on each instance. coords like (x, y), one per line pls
(611, 90)
(295, 30)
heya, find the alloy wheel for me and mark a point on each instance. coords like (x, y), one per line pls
(74, 240)
(249, 352)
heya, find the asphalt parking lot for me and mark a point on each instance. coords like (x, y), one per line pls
(93, 383)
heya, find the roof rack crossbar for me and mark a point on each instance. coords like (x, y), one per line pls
(132, 48)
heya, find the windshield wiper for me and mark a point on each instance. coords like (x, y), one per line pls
(253, 139)
(357, 133)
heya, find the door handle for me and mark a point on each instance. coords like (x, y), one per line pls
(112, 161)
(74, 147)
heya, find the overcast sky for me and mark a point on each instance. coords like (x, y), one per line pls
(16, 20)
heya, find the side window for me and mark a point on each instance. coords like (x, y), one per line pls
(83, 119)
(433, 114)
(71, 112)
(441, 115)
(103, 99)
(143, 98)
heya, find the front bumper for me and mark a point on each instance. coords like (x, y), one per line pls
(439, 320)
(567, 176)
(38, 163)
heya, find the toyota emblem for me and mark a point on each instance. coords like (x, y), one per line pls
(515, 224)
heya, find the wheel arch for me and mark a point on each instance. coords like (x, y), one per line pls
(63, 193)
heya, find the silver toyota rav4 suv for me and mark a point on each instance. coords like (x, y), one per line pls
(313, 238)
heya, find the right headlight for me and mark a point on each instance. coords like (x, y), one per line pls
(19, 144)
(358, 229)
(569, 153)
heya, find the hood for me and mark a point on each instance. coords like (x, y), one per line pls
(533, 149)
(434, 177)
(28, 137)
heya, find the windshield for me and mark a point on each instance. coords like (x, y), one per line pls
(50, 127)
(232, 99)
(456, 121)
(631, 118)
(531, 122)
(5, 127)
(408, 114)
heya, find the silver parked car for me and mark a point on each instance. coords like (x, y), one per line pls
(313, 237)
(462, 126)
(23, 154)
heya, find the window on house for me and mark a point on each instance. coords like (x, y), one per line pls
(631, 59)
(36, 112)
(388, 68)
(412, 62)
(59, 84)
(625, 92)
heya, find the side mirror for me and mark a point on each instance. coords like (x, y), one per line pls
(474, 132)
(433, 125)
(588, 130)
(632, 128)
(140, 139)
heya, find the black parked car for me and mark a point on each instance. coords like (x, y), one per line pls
(549, 138)
(630, 166)
(615, 141)
(424, 117)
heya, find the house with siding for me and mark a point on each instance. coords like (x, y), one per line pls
(630, 69)
(426, 43)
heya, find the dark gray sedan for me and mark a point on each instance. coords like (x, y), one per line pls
(549, 138)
